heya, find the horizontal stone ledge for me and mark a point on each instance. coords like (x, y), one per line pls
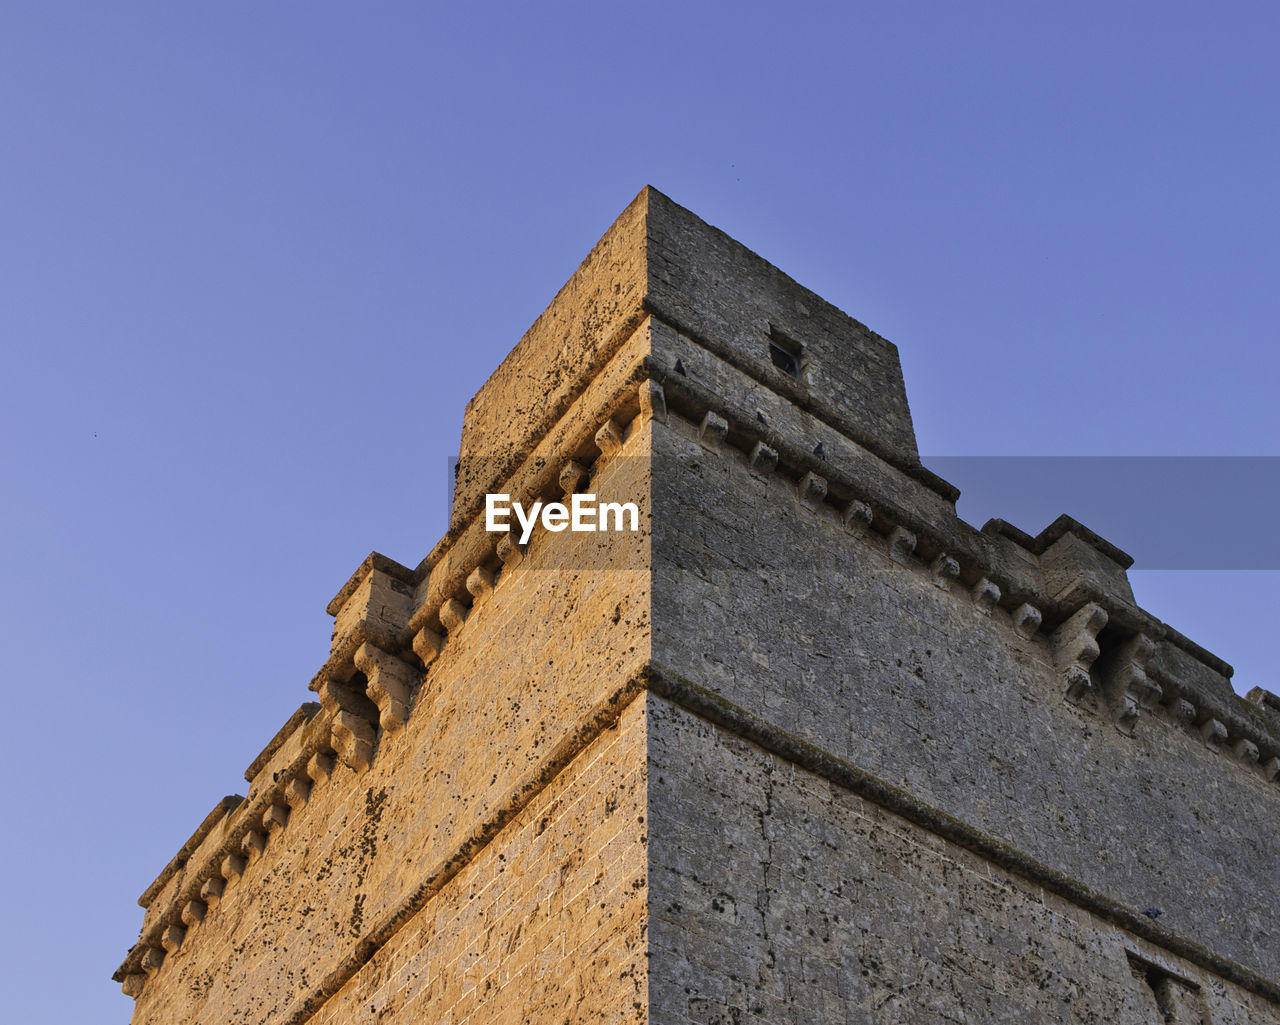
(803, 398)
(1236, 721)
(967, 546)
(306, 711)
(619, 382)
(220, 811)
(468, 546)
(713, 708)
(975, 552)
(246, 817)
(372, 561)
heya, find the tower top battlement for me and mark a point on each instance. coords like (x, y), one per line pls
(659, 259)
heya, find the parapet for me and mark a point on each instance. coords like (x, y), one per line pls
(660, 260)
(1067, 584)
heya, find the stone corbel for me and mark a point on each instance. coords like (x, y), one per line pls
(172, 937)
(253, 844)
(480, 583)
(297, 792)
(944, 569)
(1127, 681)
(193, 913)
(232, 867)
(1075, 648)
(275, 817)
(763, 460)
(572, 477)
(986, 595)
(1213, 733)
(609, 438)
(152, 959)
(390, 684)
(352, 734)
(901, 544)
(453, 614)
(812, 490)
(427, 644)
(320, 766)
(1026, 620)
(856, 515)
(509, 551)
(653, 401)
(713, 430)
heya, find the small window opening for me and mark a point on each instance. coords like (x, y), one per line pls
(1177, 1000)
(1161, 986)
(785, 352)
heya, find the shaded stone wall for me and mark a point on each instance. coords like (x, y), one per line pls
(873, 656)
(779, 896)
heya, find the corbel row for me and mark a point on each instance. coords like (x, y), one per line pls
(1116, 681)
(1221, 731)
(506, 554)
(370, 680)
(255, 825)
(1128, 687)
(361, 690)
(1121, 681)
(373, 690)
(857, 517)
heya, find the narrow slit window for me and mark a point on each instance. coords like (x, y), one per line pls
(784, 352)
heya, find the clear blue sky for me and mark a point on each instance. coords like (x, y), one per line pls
(254, 259)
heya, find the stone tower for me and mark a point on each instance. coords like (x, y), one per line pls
(806, 747)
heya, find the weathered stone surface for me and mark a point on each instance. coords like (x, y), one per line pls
(778, 896)
(546, 924)
(660, 258)
(376, 610)
(490, 728)
(864, 657)
(804, 748)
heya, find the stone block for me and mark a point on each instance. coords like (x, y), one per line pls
(901, 544)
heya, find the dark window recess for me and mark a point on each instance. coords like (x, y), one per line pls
(785, 352)
(1177, 1000)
